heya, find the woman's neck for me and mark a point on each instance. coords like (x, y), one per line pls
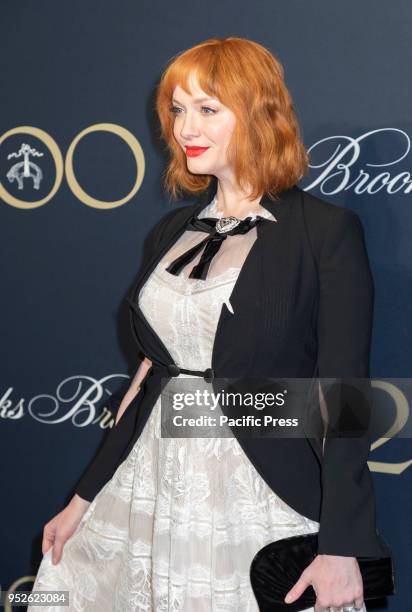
(234, 205)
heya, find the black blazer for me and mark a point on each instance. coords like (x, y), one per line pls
(303, 306)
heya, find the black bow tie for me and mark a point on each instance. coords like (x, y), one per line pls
(218, 230)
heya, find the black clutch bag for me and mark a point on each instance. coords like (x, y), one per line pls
(277, 567)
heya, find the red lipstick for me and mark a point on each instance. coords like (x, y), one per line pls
(195, 151)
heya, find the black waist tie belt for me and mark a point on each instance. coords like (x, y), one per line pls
(174, 370)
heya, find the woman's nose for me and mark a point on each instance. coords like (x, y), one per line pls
(190, 126)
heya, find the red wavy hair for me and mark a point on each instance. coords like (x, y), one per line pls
(266, 150)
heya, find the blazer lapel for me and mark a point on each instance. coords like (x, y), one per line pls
(266, 251)
(133, 296)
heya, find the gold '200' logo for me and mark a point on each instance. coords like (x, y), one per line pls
(73, 183)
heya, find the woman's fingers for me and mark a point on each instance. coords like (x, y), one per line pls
(48, 538)
(57, 550)
(57, 531)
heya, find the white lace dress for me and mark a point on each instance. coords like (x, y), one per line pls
(177, 526)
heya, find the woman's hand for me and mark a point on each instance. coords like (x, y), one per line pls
(336, 580)
(60, 528)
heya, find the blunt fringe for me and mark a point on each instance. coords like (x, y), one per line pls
(266, 150)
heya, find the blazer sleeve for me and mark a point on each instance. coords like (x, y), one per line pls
(107, 458)
(347, 519)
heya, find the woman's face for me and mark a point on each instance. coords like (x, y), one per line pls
(202, 121)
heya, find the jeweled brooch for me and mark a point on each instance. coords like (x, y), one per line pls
(225, 224)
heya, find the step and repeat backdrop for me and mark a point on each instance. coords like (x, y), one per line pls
(81, 168)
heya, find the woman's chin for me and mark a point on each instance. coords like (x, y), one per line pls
(197, 168)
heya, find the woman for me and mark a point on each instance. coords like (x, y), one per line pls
(162, 523)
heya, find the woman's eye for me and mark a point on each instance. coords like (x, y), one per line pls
(209, 109)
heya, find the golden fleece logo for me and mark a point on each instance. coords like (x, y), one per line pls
(25, 170)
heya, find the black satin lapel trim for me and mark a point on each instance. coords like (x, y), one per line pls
(250, 276)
